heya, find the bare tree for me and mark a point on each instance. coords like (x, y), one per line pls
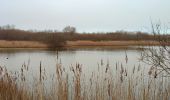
(158, 57)
(69, 29)
(8, 27)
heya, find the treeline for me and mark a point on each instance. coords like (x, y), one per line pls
(112, 36)
(52, 39)
(55, 39)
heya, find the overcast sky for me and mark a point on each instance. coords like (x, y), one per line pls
(85, 15)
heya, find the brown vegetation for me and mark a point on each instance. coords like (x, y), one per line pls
(103, 84)
(113, 43)
(51, 39)
(21, 44)
(9, 89)
(58, 39)
(80, 43)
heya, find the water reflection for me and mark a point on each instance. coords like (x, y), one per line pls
(89, 58)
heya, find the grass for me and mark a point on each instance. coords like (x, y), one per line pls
(112, 43)
(106, 83)
(21, 44)
(81, 43)
(9, 90)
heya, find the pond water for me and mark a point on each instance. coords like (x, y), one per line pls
(13, 59)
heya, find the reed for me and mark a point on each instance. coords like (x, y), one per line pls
(106, 83)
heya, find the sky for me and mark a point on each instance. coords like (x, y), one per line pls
(85, 15)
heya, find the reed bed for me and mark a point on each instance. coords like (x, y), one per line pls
(106, 83)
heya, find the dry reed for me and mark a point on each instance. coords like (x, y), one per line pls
(107, 83)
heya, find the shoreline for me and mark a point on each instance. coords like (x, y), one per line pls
(112, 43)
(76, 44)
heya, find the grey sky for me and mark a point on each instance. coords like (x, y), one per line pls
(85, 15)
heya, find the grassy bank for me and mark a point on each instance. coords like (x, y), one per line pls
(115, 44)
(21, 44)
(112, 43)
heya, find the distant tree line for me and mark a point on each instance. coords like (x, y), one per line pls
(57, 39)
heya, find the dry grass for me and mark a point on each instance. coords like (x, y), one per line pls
(21, 44)
(112, 43)
(116, 44)
(106, 83)
(9, 89)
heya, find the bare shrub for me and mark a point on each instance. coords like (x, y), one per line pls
(158, 57)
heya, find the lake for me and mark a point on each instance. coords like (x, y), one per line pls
(13, 59)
